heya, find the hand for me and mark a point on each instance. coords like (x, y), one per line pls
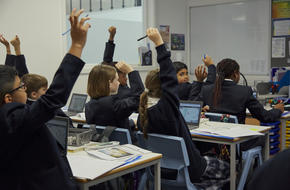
(154, 35)
(208, 61)
(279, 106)
(78, 32)
(4, 41)
(200, 73)
(124, 67)
(16, 44)
(112, 30)
(205, 108)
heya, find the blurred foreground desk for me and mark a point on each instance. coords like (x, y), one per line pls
(233, 142)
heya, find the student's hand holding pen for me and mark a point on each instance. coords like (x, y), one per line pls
(154, 35)
(207, 60)
(200, 73)
(279, 106)
(79, 30)
(124, 67)
(112, 30)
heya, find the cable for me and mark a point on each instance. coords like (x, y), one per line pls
(244, 79)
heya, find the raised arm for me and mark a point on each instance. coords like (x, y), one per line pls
(110, 46)
(19, 61)
(211, 70)
(9, 58)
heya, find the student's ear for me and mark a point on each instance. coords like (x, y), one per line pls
(8, 98)
(33, 95)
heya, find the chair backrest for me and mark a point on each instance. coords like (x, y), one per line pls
(119, 134)
(219, 117)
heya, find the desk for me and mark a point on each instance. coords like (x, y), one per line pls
(147, 160)
(233, 142)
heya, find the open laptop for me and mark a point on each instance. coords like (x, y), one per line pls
(77, 104)
(58, 126)
(191, 111)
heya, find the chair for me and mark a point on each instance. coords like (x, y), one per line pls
(174, 156)
(248, 156)
(119, 134)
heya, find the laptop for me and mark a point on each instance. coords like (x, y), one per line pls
(77, 104)
(191, 111)
(58, 126)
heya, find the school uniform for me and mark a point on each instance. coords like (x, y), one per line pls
(29, 157)
(235, 99)
(112, 110)
(18, 62)
(109, 52)
(189, 91)
(273, 174)
(165, 118)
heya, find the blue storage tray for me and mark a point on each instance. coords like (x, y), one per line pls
(274, 138)
(274, 151)
(274, 145)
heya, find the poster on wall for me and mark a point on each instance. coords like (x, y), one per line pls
(177, 42)
(281, 27)
(164, 32)
(278, 47)
(280, 9)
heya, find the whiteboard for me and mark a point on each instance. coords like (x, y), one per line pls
(240, 31)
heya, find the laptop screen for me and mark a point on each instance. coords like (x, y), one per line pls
(77, 103)
(58, 126)
(190, 111)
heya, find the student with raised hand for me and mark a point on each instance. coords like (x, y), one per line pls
(226, 96)
(105, 108)
(17, 60)
(189, 91)
(29, 155)
(110, 46)
(159, 113)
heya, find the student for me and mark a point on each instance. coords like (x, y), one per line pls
(124, 91)
(29, 155)
(18, 60)
(104, 108)
(273, 174)
(189, 91)
(159, 113)
(226, 96)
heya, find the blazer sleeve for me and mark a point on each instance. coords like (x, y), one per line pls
(195, 90)
(20, 65)
(136, 84)
(258, 111)
(10, 60)
(109, 52)
(211, 75)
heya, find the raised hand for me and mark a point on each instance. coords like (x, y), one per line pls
(16, 44)
(124, 67)
(5, 43)
(280, 107)
(154, 35)
(207, 61)
(200, 73)
(112, 30)
(78, 32)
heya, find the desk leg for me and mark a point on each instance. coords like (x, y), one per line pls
(267, 147)
(157, 176)
(283, 134)
(233, 166)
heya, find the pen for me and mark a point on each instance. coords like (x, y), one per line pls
(204, 56)
(69, 29)
(142, 38)
(130, 160)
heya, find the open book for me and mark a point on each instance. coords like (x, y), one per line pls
(92, 163)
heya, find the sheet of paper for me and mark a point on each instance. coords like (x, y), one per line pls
(281, 27)
(278, 47)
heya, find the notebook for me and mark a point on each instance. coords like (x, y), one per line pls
(58, 126)
(191, 111)
(77, 104)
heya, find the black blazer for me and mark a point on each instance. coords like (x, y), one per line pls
(235, 99)
(109, 51)
(190, 91)
(18, 62)
(165, 117)
(29, 157)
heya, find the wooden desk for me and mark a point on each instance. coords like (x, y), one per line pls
(147, 160)
(233, 142)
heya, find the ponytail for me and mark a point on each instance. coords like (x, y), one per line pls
(143, 113)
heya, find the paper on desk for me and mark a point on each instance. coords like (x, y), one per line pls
(228, 129)
(85, 166)
(79, 116)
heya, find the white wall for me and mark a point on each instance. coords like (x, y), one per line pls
(39, 24)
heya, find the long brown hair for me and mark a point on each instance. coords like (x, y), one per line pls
(225, 69)
(153, 89)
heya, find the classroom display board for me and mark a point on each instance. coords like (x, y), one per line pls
(280, 33)
(241, 31)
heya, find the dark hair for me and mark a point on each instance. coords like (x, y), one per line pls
(179, 65)
(225, 69)
(153, 89)
(112, 64)
(33, 83)
(98, 81)
(7, 78)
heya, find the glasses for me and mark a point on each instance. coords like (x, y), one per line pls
(21, 86)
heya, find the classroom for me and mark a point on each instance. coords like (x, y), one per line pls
(218, 42)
